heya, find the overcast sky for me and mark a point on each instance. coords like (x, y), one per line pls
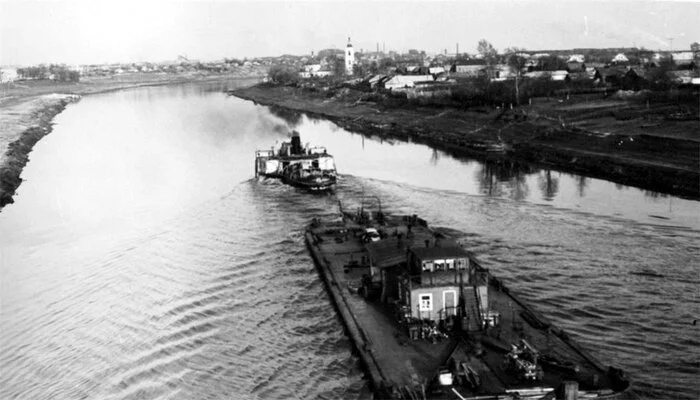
(77, 32)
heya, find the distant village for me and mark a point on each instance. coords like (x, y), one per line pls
(418, 73)
(181, 65)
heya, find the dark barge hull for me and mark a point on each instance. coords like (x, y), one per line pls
(398, 367)
(311, 185)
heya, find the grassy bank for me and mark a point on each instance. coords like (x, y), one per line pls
(605, 137)
(27, 109)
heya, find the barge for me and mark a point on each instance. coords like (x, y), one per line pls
(428, 321)
(311, 168)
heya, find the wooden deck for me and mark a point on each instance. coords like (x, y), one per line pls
(392, 360)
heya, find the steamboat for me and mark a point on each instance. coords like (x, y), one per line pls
(311, 168)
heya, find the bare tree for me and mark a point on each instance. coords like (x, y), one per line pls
(487, 51)
(516, 63)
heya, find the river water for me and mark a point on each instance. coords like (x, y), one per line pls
(142, 259)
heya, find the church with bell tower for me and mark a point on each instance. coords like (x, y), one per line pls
(349, 58)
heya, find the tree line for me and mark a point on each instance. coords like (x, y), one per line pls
(53, 71)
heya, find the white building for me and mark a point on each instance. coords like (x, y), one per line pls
(349, 58)
(406, 81)
(620, 58)
(8, 74)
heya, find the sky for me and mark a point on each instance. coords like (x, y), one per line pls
(99, 31)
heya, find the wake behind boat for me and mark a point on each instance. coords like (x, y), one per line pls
(307, 167)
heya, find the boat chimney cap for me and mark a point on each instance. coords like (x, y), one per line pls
(295, 133)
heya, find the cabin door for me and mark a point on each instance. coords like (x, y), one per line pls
(449, 300)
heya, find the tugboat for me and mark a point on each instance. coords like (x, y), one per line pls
(310, 168)
(428, 321)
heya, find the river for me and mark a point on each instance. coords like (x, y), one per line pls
(142, 259)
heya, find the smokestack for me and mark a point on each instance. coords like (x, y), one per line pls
(296, 143)
(457, 51)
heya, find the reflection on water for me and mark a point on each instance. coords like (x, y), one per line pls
(141, 260)
(395, 160)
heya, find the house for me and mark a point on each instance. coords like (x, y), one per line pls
(430, 89)
(580, 76)
(682, 57)
(620, 58)
(8, 74)
(686, 65)
(440, 278)
(500, 72)
(375, 80)
(323, 73)
(561, 75)
(611, 75)
(312, 68)
(405, 81)
(634, 78)
(575, 66)
(592, 66)
(470, 67)
(537, 75)
(681, 77)
(436, 70)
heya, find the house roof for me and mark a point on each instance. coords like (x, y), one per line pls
(579, 76)
(404, 79)
(641, 72)
(559, 75)
(386, 253)
(437, 253)
(612, 71)
(470, 67)
(376, 78)
(471, 62)
(537, 74)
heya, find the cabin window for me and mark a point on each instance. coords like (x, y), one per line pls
(427, 265)
(450, 264)
(461, 263)
(439, 265)
(426, 302)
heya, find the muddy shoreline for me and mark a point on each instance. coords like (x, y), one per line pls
(543, 146)
(17, 154)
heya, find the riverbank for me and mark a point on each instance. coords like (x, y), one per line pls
(589, 139)
(27, 109)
